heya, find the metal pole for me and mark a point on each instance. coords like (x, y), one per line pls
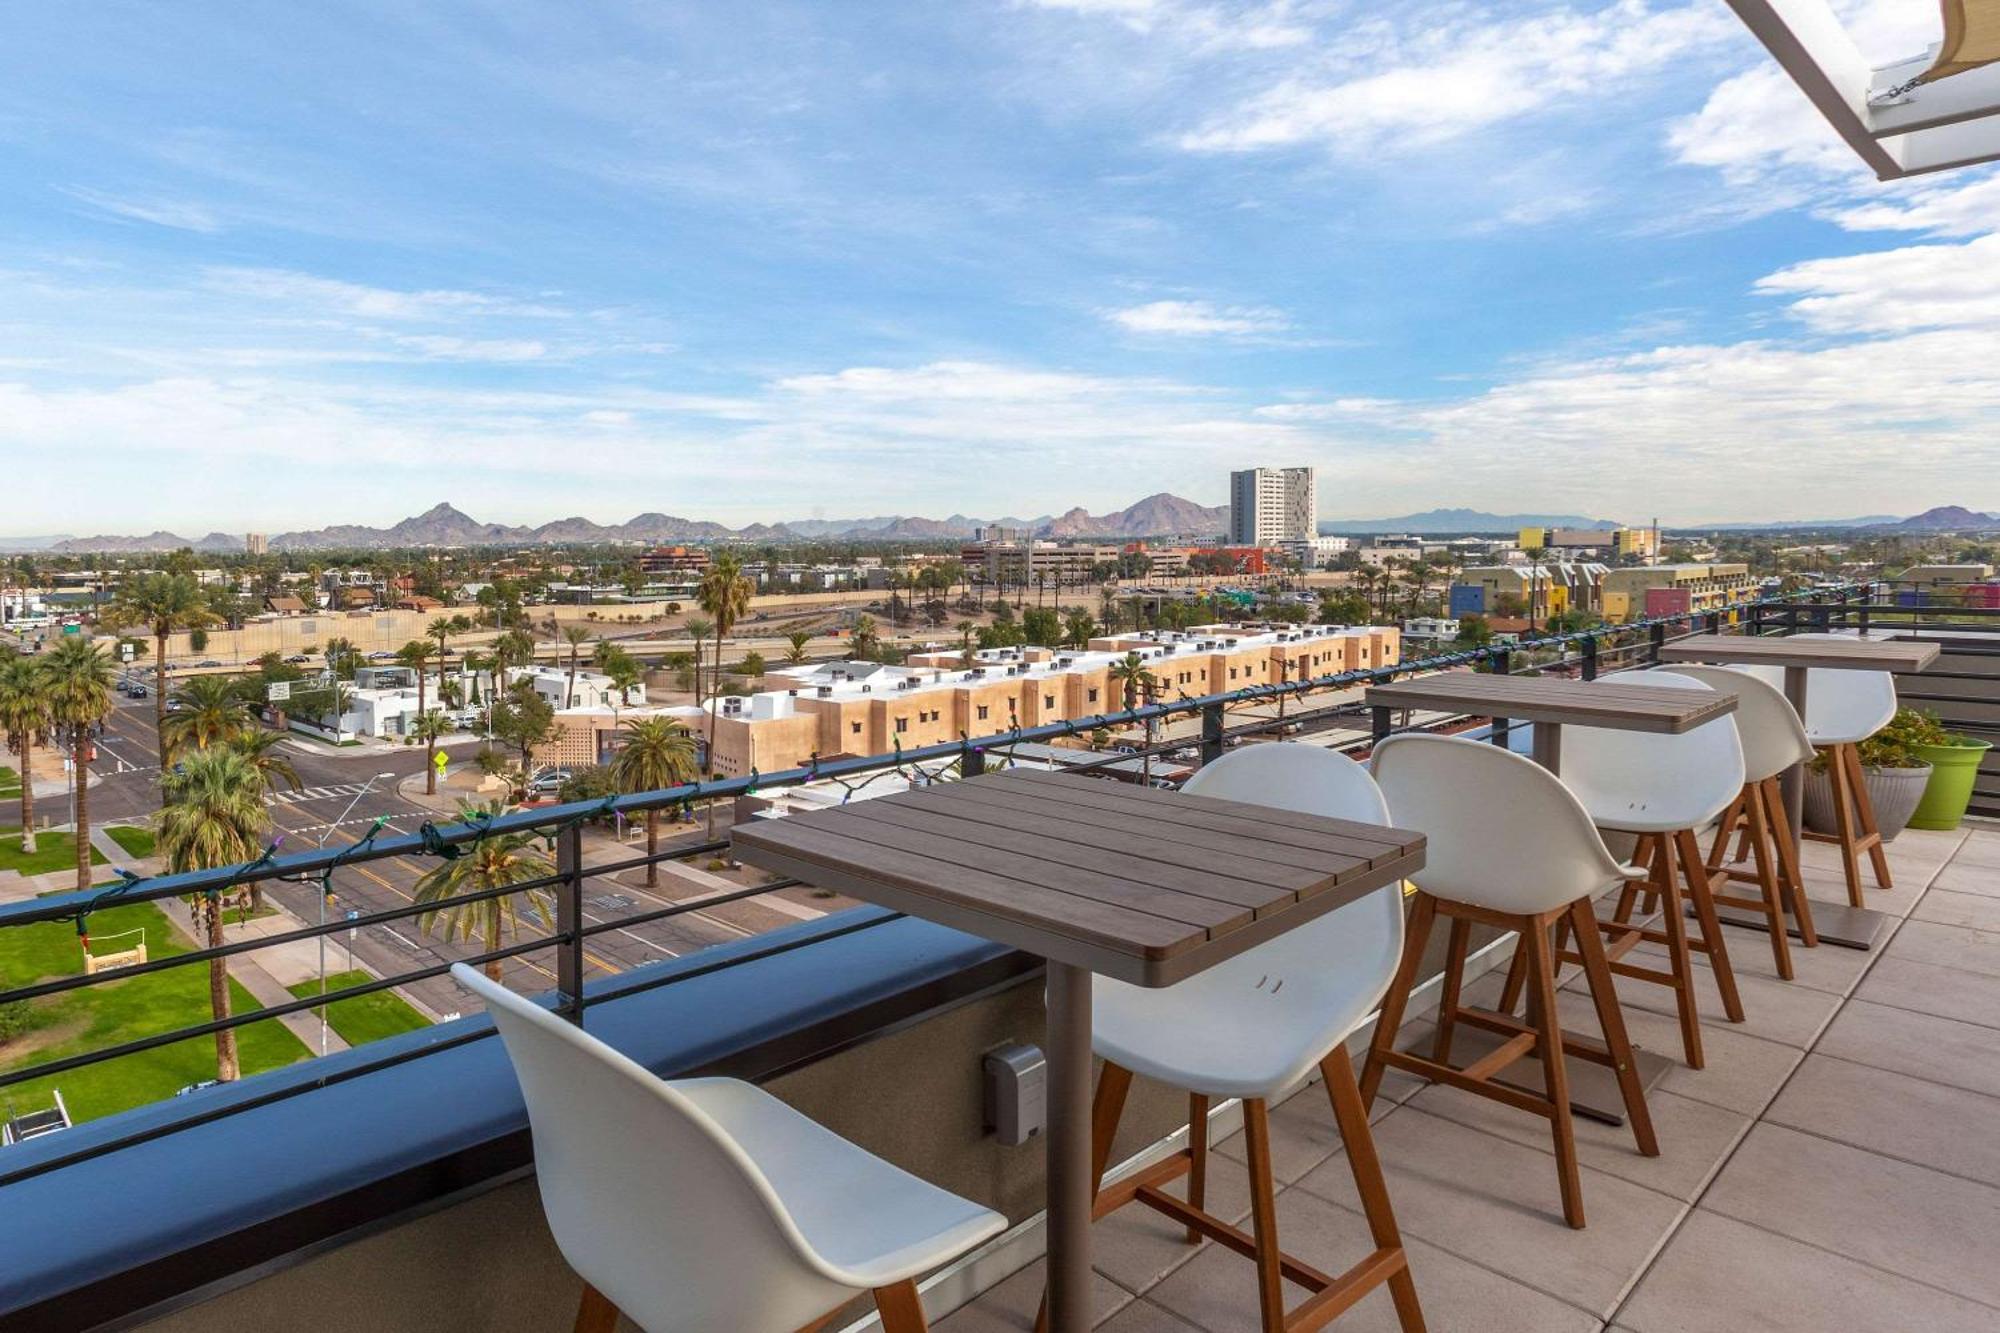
(1502, 661)
(1069, 1174)
(1656, 638)
(1211, 733)
(569, 925)
(1588, 651)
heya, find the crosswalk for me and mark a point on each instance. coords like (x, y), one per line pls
(346, 789)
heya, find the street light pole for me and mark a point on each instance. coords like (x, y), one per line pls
(365, 788)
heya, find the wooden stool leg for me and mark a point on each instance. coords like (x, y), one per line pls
(901, 1308)
(1517, 977)
(1423, 912)
(1719, 848)
(1789, 876)
(1197, 1189)
(1702, 895)
(1454, 978)
(1264, 1215)
(1843, 820)
(595, 1313)
(1555, 1074)
(1864, 807)
(1774, 894)
(1611, 1020)
(1674, 922)
(1337, 1072)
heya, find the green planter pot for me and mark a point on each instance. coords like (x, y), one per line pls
(1954, 768)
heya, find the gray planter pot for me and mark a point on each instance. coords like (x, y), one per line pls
(1893, 791)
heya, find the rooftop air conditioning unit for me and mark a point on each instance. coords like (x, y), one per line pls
(866, 689)
(793, 693)
(825, 690)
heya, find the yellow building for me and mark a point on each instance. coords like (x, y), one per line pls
(1687, 588)
(1639, 543)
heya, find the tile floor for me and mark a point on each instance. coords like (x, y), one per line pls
(1836, 1166)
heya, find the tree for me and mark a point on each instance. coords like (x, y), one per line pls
(24, 720)
(79, 699)
(260, 750)
(207, 710)
(428, 728)
(492, 862)
(965, 632)
(1137, 682)
(575, 636)
(1343, 608)
(1078, 627)
(515, 648)
(1535, 554)
(1042, 626)
(796, 641)
(523, 719)
(214, 816)
(725, 594)
(416, 654)
(162, 603)
(698, 628)
(657, 753)
(1474, 631)
(865, 641)
(753, 665)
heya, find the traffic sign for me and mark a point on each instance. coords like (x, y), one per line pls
(278, 691)
(439, 760)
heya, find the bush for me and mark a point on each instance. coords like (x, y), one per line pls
(198, 640)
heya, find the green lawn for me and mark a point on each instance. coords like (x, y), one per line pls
(10, 782)
(53, 851)
(364, 1018)
(102, 1015)
(135, 840)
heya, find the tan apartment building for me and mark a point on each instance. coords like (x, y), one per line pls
(1017, 563)
(1633, 594)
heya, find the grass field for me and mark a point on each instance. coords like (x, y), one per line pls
(364, 1018)
(10, 783)
(135, 840)
(99, 1016)
(53, 851)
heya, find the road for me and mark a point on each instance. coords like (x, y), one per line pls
(340, 796)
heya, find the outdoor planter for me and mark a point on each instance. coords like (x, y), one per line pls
(1894, 792)
(1954, 768)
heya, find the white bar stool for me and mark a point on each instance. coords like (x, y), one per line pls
(706, 1203)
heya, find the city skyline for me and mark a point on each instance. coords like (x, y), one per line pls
(294, 269)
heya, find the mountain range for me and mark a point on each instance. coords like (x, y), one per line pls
(1456, 522)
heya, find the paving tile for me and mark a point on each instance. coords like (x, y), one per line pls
(1943, 1050)
(1970, 997)
(1969, 877)
(1218, 1291)
(1907, 1219)
(1893, 1114)
(1947, 946)
(1774, 1010)
(1694, 1137)
(1137, 1246)
(1498, 1204)
(1980, 848)
(1741, 1072)
(1145, 1317)
(1010, 1306)
(1971, 910)
(1721, 1276)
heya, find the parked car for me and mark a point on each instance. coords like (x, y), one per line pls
(208, 662)
(296, 658)
(382, 657)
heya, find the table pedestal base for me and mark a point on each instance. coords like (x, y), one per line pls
(1593, 1089)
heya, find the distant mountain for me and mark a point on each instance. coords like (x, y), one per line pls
(1155, 516)
(25, 544)
(1445, 522)
(152, 541)
(1947, 518)
(1815, 524)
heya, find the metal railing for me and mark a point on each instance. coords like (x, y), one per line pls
(1584, 652)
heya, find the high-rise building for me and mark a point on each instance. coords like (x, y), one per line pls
(256, 543)
(1269, 505)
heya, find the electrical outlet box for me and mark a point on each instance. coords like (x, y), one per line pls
(1017, 1093)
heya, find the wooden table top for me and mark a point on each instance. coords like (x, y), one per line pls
(1585, 703)
(1849, 654)
(1144, 885)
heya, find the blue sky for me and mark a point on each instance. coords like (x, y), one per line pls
(279, 266)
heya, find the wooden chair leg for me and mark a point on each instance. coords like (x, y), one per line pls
(1423, 912)
(1454, 978)
(901, 1308)
(595, 1313)
(1611, 1020)
(1517, 979)
(1555, 1073)
(1774, 893)
(1719, 848)
(1864, 808)
(1789, 875)
(1337, 1072)
(1674, 922)
(1702, 895)
(1197, 1189)
(1264, 1215)
(1843, 820)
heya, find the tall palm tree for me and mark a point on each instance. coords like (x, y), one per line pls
(698, 628)
(657, 753)
(214, 816)
(163, 603)
(79, 698)
(1137, 682)
(515, 648)
(207, 710)
(491, 863)
(427, 730)
(416, 654)
(441, 629)
(724, 592)
(1536, 555)
(795, 652)
(24, 720)
(575, 636)
(259, 749)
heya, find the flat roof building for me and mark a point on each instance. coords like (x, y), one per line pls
(1269, 505)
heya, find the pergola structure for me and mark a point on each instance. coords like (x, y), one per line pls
(1929, 113)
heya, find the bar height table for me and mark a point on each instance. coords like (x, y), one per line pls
(1836, 923)
(1094, 876)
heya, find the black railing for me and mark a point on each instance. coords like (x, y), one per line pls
(1585, 652)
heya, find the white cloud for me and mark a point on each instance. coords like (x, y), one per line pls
(1894, 291)
(178, 214)
(1198, 318)
(307, 291)
(1968, 205)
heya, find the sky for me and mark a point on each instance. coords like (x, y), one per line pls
(278, 266)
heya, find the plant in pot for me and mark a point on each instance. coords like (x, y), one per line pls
(1954, 761)
(1892, 768)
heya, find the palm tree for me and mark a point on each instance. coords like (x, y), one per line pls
(207, 710)
(725, 594)
(441, 628)
(965, 630)
(427, 729)
(512, 649)
(79, 698)
(698, 628)
(1535, 554)
(24, 719)
(575, 636)
(214, 816)
(797, 639)
(260, 750)
(1131, 673)
(490, 863)
(416, 654)
(657, 753)
(162, 603)
(864, 641)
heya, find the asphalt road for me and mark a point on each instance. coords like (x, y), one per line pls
(341, 795)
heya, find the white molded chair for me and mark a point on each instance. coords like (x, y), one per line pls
(1665, 790)
(707, 1203)
(1773, 741)
(1252, 1027)
(1507, 845)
